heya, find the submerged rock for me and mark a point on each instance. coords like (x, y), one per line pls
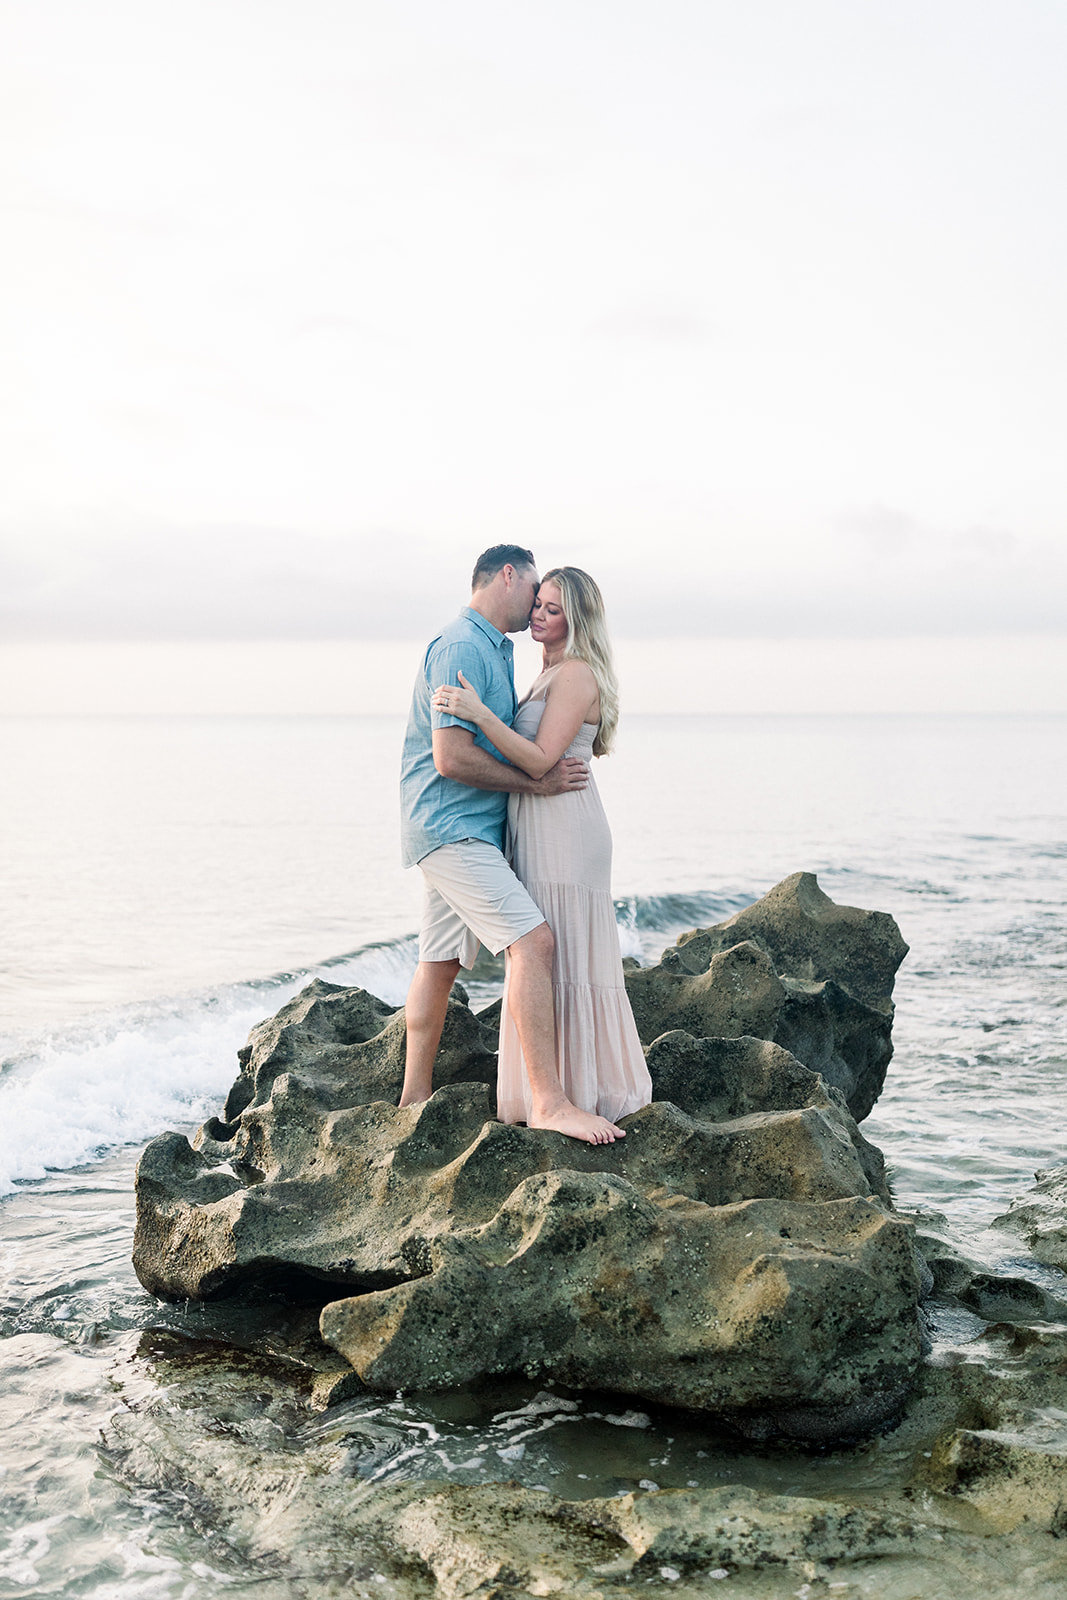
(794, 967)
(319, 1505)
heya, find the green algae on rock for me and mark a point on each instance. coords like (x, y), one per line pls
(230, 1439)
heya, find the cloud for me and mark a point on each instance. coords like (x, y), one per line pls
(879, 573)
(886, 531)
(657, 324)
(653, 295)
(226, 583)
(880, 527)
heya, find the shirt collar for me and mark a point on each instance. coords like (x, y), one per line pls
(494, 635)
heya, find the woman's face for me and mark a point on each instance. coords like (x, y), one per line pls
(548, 625)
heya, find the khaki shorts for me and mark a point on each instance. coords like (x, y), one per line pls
(472, 897)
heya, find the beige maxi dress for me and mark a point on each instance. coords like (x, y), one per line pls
(560, 848)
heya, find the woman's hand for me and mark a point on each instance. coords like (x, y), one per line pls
(459, 702)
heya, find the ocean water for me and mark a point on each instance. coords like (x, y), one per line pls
(166, 883)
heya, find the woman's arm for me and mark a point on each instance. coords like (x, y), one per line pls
(572, 693)
(455, 755)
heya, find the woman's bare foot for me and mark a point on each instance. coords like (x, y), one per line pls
(585, 1125)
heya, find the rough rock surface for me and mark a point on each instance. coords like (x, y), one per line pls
(736, 1253)
(1040, 1215)
(744, 1225)
(794, 967)
(317, 1179)
(299, 1500)
(349, 1041)
(801, 1315)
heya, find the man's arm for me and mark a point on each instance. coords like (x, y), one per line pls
(456, 756)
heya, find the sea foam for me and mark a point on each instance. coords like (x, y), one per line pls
(67, 1100)
(131, 1073)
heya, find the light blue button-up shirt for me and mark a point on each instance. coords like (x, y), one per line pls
(436, 810)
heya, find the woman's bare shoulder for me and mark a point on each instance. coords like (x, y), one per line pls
(574, 674)
(573, 685)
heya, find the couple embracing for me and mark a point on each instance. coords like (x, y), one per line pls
(502, 816)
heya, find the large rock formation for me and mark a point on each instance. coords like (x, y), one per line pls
(736, 1254)
(794, 967)
(315, 1179)
(783, 1316)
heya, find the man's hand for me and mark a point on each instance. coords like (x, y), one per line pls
(456, 756)
(567, 775)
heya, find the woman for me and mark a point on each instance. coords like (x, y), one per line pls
(560, 848)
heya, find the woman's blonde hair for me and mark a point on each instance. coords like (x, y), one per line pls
(587, 640)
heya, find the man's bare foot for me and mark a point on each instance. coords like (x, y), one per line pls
(585, 1125)
(413, 1099)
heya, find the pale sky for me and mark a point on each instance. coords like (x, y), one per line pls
(754, 310)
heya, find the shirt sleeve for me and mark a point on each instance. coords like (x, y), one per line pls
(443, 665)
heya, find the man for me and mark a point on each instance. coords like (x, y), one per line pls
(454, 791)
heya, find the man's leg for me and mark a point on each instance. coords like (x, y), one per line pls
(424, 1012)
(533, 1009)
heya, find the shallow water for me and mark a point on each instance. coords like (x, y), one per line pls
(156, 875)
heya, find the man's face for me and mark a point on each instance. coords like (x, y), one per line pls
(523, 590)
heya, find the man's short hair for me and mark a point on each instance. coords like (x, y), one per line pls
(499, 555)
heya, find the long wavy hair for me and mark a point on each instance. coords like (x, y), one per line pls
(587, 640)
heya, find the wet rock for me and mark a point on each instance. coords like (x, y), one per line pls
(951, 1270)
(815, 977)
(735, 1528)
(1040, 1215)
(475, 1538)
(766, 1307)
(293, 1513)
(349, 1045)
(735, 1252)
(1005, 1297)
(986, 1423)
(1008, 1477)
(267, 1483)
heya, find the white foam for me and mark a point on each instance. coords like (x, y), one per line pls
(71, 1101)
(629, 1419)
(68, 1101)
(137, 1072)
(26, 1546)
